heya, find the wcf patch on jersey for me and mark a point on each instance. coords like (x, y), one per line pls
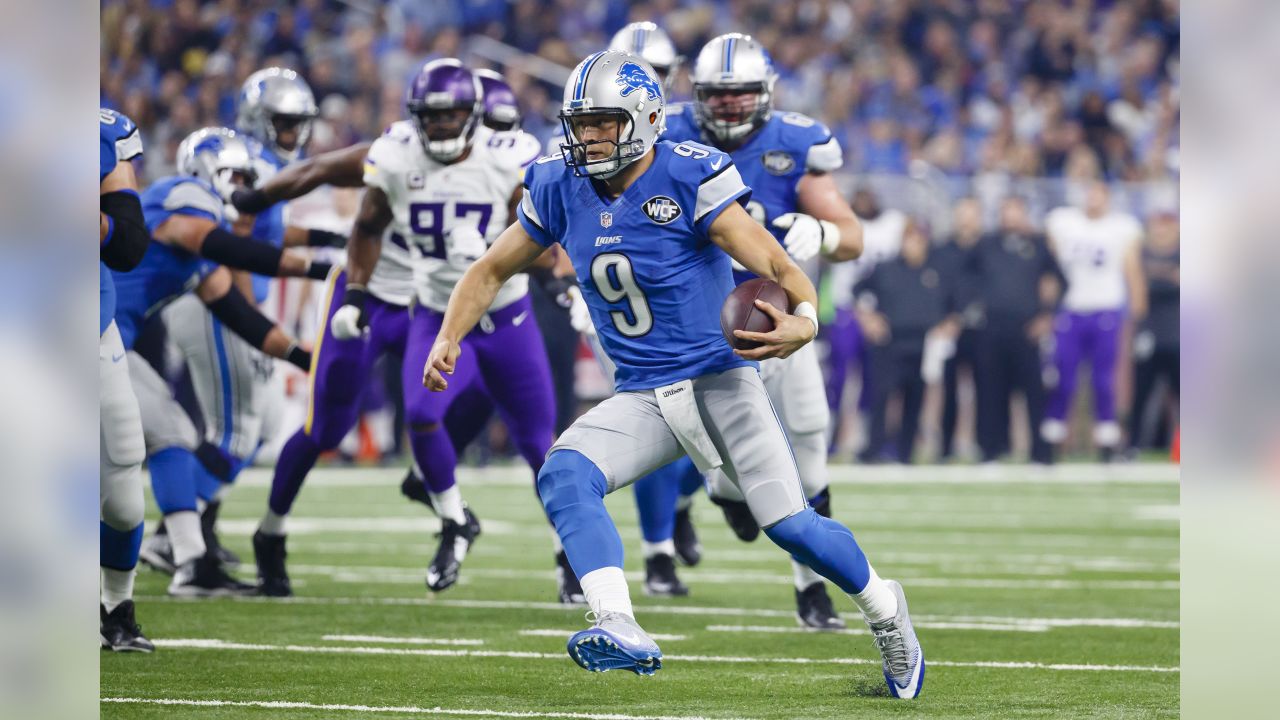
(661, 209)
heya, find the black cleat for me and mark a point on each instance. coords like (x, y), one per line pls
(120, 632)
(660, 577)
(740, 519)
(273, 579)
(157, 552)
(208, 528)
(412, 488)
(814, 609)
(570, 589)
(455, 542)
(205, 577)
(688, 549)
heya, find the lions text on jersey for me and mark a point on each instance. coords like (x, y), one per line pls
(166, 272)
(650, 274)
(429, 199)
(771, 161)
(118, 141)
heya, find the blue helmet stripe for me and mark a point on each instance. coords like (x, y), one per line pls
(726, 57)
(581, 87)
(638, 41)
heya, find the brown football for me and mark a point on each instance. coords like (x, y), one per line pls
(739, 311)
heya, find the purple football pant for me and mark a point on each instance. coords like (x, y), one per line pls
(506, 355)
(846, 346)
(1093, 337)
(338, 378)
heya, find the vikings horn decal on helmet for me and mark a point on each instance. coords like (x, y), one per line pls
(615, 85)
(732, 64)
(654, 45)
(445, 108)
(274, 100)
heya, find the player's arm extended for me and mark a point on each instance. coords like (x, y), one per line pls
(202, 236)
(750, 244)
(122, 230)
(341, 168)
(231, 307)
(511, 253)
(817, 195)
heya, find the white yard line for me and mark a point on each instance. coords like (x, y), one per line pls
(554, 632)
(405, 710)
(698, 610)
(796, 630)
(402, 640)
(213, 644)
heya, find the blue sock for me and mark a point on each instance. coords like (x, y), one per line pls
(173, 479)
(572, 489)
(656, 503)
(118, 549)
(690, 479)
(824, 545)
(207, 484)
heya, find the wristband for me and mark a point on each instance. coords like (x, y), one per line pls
(830, 236)
(319, 270)
(805, 310)
(354, 295)
(323, 238)
(298, 357)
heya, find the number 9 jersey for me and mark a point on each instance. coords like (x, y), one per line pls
(429, 200)
(652, 278)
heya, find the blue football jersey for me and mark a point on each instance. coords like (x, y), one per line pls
(771, 161)
(651, 276)
(118, 141)
(268, 226)
(166, 272)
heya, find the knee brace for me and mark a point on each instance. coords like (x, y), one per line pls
(123, 506)
(824, 545)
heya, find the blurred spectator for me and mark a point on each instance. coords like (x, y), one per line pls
(902, 302)
(955, 261)
(1018, 284)
(1100, 254)
(1156, 346)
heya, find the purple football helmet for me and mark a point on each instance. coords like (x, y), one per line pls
(444, 107)
(500, 109)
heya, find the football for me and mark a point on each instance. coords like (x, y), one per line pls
(739, 311)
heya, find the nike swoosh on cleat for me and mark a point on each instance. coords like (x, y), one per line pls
(633, 639)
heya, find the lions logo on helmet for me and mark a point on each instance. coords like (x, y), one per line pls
(632, 77)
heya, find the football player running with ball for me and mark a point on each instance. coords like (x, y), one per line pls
(785, 158)
(654, 280)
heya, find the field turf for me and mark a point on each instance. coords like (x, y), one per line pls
(1036, 595)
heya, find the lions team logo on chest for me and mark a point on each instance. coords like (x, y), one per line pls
(606, 219)
(661, 209)
(777, 162)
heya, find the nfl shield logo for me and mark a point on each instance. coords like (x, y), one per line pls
(606, 219)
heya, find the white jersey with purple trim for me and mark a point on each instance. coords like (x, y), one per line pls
(392, 278)
(430, 199)
(1091, 252)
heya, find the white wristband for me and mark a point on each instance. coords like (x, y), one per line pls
(805, 310)
(830, 236)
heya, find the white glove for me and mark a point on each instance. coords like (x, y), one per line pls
(579, 315)
(464, 245)
(346, 323)
(807, 235)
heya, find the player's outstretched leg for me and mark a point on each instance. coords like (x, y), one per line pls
(572, 489)
(829, 548)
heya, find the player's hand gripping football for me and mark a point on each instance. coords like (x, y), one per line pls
(789, 334)
(443, 357)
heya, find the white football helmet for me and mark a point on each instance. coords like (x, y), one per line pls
(272, 100)
(654, 45)
(216, 155)
(730, 65)
(616, 85)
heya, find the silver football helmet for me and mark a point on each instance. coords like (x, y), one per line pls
(654, 45)
(218, 155)
(730, 70)
(275, 102)
(614, 91)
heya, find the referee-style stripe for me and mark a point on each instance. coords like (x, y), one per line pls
(338, 270)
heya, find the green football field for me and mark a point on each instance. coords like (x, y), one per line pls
(1035, 594)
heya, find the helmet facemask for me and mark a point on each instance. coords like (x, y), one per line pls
(287, 134)
(600, 141)
(445, 127)
(731, 112)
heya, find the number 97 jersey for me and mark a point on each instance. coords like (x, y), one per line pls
(430, 200)
(652, 278)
